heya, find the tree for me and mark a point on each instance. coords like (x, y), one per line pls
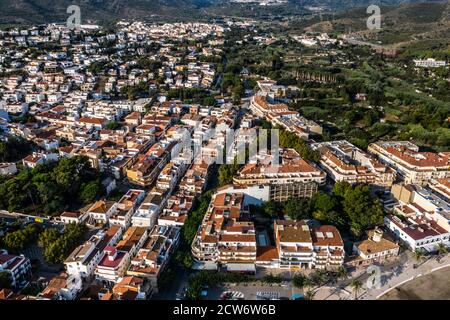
(5, 280)
(270, 208)
(362, 211)
(291, 140)
(419, 254)
(356, 286)
(298, 209)
(14, 149)
(326, 209)
(270, 278)
(301, 281)
(51, 187)
(57, 246)
(90, 191)
(209, 101)
(441, 249)
(227, 172)
(113, 125)
(18, 240)
(310, 294)
(342, 273)
(47, 237)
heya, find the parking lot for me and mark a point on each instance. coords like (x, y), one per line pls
(250, 290)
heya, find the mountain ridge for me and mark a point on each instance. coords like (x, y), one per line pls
(47, 11)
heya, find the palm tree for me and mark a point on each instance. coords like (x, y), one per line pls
(356, 285)
(342, 273)
(299, 281)
(309, 295)
(441, 249)
(319, 277)
(419, 255)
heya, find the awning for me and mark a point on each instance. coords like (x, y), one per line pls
(241, 267)
(207, 265)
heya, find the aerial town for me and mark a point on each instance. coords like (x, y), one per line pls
(189, 160)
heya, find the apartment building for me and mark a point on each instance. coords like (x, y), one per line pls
(83, 260)
(262, 108)
(17, 267)
(146, 167)
(427, 201)
(292, 177)
(429, 63)
(126, 207)
(328, 247)
(344, 162)
(7, 168)
(226, 236)
(132, 241)
(147, 213)
(416, 231)
(294, 244)
(177, 209)
(151, 260)
(112, 266)
(129, 288)
(411, 165)
(300, 246)
(62, 287)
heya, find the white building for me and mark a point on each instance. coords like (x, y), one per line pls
(416, 231)
(18, 268)
(7, 168)
(411, 165)
(112, 266)
(429, 63)
(84, 259)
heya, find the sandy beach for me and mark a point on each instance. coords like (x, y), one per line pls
(433, 286)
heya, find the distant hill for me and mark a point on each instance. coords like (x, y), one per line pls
(46, 11)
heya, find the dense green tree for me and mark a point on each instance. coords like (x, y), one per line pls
(50, 188)
(5, 280)
(209, 101)
(298, 209)
(291, 140)
(14, 149)
(57, 246)
(20, 239)
(270, 208)
(227, 172)
(362, 210)
(47, 237)
(195, 217)
(90, 191)
(113, 125)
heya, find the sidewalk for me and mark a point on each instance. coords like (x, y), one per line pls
(408, 274)
(390, 279)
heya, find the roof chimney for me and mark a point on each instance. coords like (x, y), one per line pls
(377, 235)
